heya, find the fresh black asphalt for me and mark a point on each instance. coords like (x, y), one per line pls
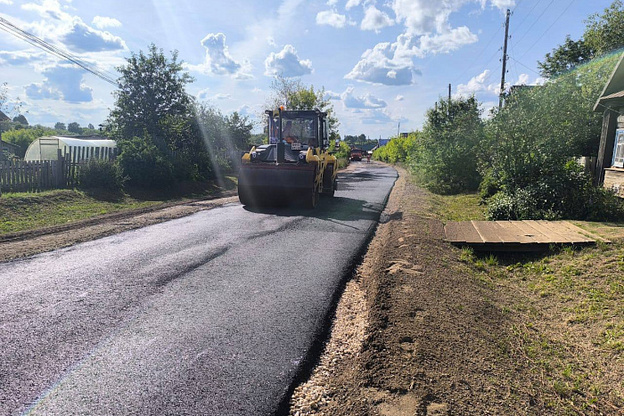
(211, 314)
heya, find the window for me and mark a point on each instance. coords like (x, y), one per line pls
(618, 149)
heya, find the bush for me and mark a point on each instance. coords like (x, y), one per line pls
(397, 150)
(446, 152)
(144, 165)
(565, 193)
(100, 174)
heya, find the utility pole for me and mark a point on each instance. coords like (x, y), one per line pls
(399, 129)
(449, 93)
(502, 87)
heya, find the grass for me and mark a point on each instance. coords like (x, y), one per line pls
(566, 312)
(462, 207)
(28, 211)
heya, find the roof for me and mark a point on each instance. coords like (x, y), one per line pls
(93, 141)
(4, 117)
(612, 94)
(7, 145)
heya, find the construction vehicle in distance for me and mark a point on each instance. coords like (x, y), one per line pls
(295, 166)
(356, 154)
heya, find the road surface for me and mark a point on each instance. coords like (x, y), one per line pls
(210, 314)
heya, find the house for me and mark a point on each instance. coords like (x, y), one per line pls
(609, 170)
(7, 149)
(4, 117)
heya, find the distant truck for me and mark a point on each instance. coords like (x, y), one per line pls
(356, 154)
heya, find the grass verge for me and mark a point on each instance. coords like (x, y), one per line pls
(566, 309)
(29, 211)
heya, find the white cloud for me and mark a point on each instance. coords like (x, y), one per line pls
(385, 64)
(60, 26)
(218, 60)
(9, 2)
(477, 84)
(378, 116)
(375, 19)
(352, 3)
(83, 38)
(366, 101)
(102, 22)
(499, 4)
(22, 57)
(286, 63)
(330, 95)
(331, 18)
(63, 81)
(445, 42)
(399, 98)
(202, 95)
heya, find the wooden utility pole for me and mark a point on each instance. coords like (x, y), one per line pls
(449, 93)
(502, 86)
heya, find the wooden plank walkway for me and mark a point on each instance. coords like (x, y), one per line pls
(517, 235)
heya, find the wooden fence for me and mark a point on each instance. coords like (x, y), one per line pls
(23, 176)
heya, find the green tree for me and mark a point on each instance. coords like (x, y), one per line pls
(533, 142)
(90, 126)
(565, 57)
(239, 129)
(151, 94)
(294, 95)
(74, 128)
(20, 119)
(60, 126)
(605, 32)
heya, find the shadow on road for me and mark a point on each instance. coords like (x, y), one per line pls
(336, 208)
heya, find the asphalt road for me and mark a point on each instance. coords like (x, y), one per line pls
(210, 314)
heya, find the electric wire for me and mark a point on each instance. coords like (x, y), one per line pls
(535, 21)
(549, 27)
(10, 28)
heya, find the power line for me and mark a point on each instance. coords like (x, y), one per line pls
(520, 63)
(535, 21)
(41, 44)
(479, 55)
(527, 15)
(549, 27)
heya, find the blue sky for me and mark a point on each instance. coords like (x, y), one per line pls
(382, 62)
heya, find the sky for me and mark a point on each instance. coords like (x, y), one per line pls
(382, 63)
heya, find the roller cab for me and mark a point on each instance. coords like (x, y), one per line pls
(294, 167)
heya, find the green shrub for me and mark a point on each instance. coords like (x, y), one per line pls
(446, 151)
(565, 193)
(144, 165)
(100, 174)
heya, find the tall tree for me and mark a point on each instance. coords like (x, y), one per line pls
(239, 128)
(565, 57)
(60, 126)
(151, 98)
(294, 95)
(605, 32)
(74, 128)
(20, 119)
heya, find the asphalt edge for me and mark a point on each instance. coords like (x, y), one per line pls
(323, 330)
(38, 232)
